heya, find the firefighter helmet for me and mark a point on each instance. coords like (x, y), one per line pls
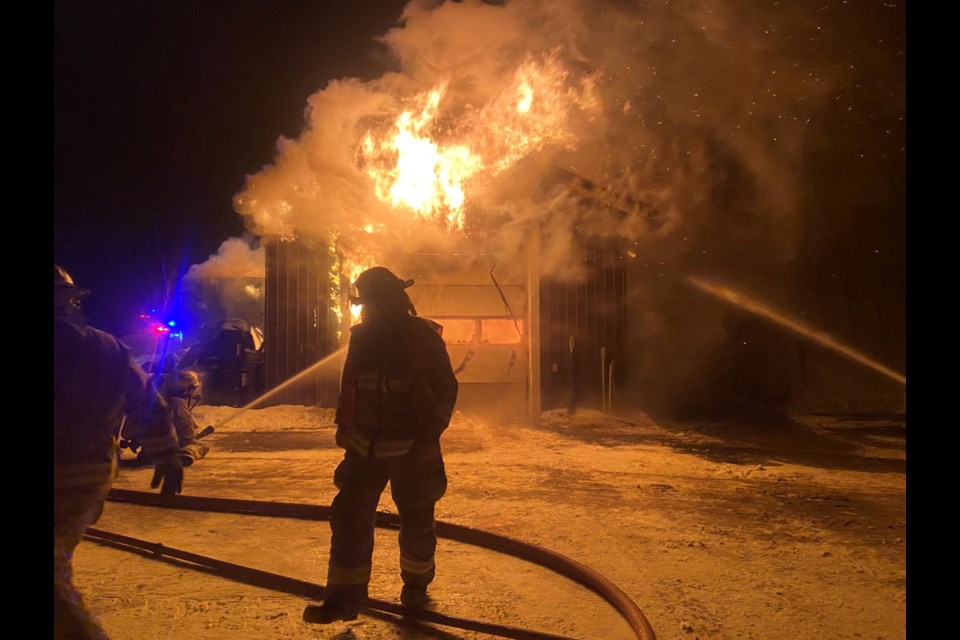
(66, 293)
(62, 279)
(184, 383)
(376, 283)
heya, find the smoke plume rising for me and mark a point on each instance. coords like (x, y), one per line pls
(236, 258)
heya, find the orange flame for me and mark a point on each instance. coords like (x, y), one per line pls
(346, 263)
(532, 113)
(352, 268)
(433, 178)
(426, 177)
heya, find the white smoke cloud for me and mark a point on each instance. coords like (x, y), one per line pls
(236, 258)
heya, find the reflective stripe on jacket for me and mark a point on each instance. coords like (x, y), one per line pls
(398, 388)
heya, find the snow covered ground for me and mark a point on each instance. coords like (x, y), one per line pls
(760, 530)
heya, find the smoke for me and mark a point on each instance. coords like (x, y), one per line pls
(236, 258)
(477, 53)
(230, 282)
(696, 119)
(694, 129)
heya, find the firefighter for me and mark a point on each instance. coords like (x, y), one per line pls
(397, 395)
(95, 386)
(181, 389)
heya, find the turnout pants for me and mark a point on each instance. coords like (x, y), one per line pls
(416, 485)
(77, 504)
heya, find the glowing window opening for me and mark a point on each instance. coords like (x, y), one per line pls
(500, 331)
(458, 330)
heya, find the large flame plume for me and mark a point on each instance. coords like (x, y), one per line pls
(433, 158)
(412, 170)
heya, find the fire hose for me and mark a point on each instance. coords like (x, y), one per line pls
(536, 554)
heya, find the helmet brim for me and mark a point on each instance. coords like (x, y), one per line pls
(80, 292)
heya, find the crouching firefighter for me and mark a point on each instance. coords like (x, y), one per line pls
(397, 395)
(181, 390)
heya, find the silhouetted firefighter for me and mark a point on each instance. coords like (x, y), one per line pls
(95, 385)
(397, 394)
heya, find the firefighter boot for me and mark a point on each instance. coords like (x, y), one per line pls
(414, 596)
(340, 604)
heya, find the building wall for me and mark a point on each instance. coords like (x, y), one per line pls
(487, 327)
(583, 330)
(300, 330)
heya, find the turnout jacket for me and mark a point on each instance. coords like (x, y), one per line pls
(398, 388)
(95, 384)
(183, 420)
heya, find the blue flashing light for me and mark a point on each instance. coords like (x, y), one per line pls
(172, 323)
(153, 310)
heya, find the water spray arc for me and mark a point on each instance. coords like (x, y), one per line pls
(284, 385)
(764, 311)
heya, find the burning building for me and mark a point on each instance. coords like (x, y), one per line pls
(555, 179)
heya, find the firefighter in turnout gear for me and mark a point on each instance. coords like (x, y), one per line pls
(95, 386)
(397, 395)
(181, 389)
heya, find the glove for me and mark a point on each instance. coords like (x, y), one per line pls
(133, 445)
(169, 472)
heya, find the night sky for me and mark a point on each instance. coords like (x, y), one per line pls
(162, 109)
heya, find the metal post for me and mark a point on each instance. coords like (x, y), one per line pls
(572, 406)
(533, 324)
(610, 389)
(603, 379)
